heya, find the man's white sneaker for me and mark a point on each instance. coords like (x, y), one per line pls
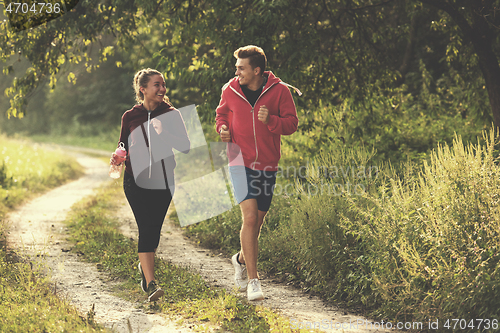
(240, 274)
(254, 291)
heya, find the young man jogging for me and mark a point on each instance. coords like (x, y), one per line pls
(256, 108)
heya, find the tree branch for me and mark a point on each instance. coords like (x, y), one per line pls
(368, 6)
(454, 14)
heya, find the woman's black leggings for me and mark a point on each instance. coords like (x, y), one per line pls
(149, 208)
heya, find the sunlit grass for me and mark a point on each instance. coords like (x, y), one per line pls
(106, 142)
(28, 302)
(417, 243)
(26, 168)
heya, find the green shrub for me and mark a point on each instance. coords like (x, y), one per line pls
(5, 180)
(400, 123)
(310, 245)
(434, 243)
(419, 244)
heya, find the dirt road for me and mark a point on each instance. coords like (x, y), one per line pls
(37, 229)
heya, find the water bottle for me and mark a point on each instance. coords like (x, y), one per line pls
(115, 171)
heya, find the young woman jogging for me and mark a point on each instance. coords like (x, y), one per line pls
(149, 132)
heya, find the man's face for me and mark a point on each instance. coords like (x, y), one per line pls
(246, 74)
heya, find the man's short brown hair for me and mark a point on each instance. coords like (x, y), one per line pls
(256, 56)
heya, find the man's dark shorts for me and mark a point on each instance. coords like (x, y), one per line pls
(253, 184)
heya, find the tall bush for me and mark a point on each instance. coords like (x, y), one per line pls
(420, 245)
(435, 242)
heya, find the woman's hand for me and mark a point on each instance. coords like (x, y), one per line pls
(157, 125)
(117, 160)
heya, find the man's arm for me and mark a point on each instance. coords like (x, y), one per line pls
(223, 117)
(287, 122)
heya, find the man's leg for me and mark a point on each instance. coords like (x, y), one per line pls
(253, 220)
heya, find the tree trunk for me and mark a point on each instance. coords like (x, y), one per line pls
(491, 71)
(481, 35)
(409, 52)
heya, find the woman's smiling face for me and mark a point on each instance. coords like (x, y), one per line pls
(155, 91)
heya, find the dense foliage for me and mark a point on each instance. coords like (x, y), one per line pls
(332, 50)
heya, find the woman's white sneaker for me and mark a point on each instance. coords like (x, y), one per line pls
(254, 290)
(240, 274)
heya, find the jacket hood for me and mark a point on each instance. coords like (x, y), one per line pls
(271, 80)
(162, 106)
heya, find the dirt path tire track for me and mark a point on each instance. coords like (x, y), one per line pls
(37, 229)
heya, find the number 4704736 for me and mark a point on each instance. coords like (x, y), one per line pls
(472, 324)
(35, 8)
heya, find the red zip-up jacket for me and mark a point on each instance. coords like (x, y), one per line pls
(260, 144)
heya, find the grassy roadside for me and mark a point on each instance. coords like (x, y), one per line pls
(27, 301)
(27, 169)
(104, 141)
(418, 244)
(94, 233)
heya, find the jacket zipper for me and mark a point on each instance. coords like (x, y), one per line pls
(254, 138)
(253, 119)
(149, 140)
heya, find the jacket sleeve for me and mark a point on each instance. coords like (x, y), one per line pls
(124, 132)
(286, 122)
(223, 113)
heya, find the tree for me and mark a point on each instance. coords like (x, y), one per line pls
(331, 49)
(50, 43)
(479, 24)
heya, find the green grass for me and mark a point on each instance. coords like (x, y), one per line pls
(105, 141)
(27, 299)
(28, 302)
(27, 169)
(418, 244)
(94, 233)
